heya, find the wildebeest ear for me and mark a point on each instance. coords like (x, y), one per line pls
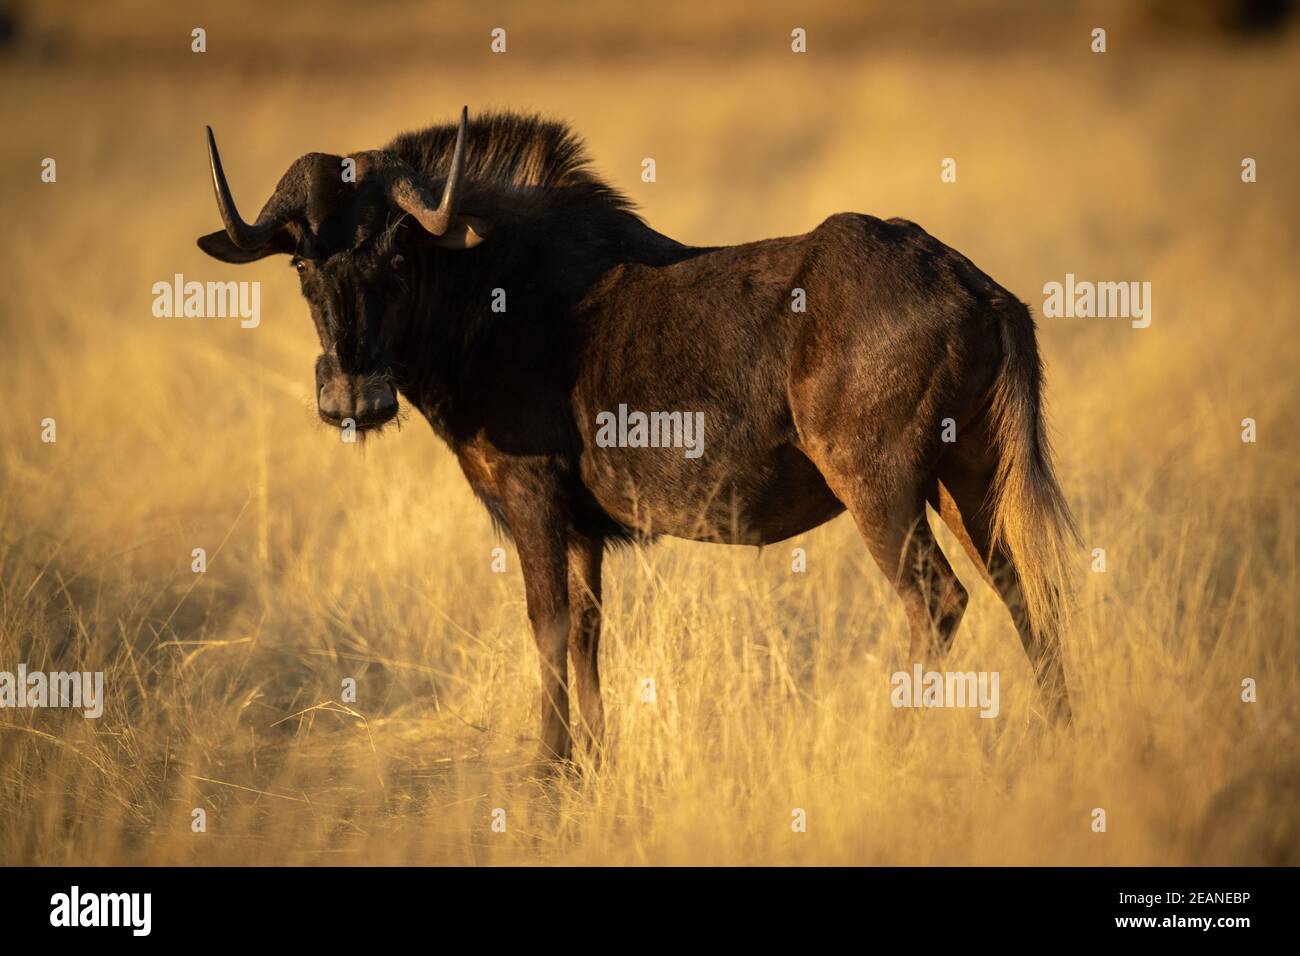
(466, 232)
(218, 246)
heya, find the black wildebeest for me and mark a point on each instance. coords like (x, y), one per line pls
(808, 413)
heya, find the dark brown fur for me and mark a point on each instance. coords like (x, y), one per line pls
(806, 414)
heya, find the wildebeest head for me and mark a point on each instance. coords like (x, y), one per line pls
(346, 223)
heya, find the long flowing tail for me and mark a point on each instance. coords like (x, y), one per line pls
(1031, 516)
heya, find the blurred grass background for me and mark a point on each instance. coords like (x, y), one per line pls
(329, 561)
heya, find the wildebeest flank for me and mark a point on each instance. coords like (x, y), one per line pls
(807, 413)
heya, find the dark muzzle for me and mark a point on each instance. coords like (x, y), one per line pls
(369, 401)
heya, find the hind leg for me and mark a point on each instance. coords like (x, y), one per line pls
(890, 515)
(962, 498)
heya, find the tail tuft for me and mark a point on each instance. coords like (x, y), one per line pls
(1030, 514)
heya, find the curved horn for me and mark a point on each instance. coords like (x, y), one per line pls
(241, 233)
(415, 199)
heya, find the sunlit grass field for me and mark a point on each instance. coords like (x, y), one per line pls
(329, 561)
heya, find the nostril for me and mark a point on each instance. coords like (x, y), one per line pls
(377, 402)
(329, 404)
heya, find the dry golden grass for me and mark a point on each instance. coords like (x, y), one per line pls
(330, 561)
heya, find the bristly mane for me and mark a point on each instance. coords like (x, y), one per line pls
(512, 156)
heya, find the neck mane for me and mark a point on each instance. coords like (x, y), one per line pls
(555, 229)
(514, 160)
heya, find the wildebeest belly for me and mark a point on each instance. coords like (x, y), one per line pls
(758, 500)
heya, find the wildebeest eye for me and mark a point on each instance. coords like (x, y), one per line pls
(299, 264)
(397, 262)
